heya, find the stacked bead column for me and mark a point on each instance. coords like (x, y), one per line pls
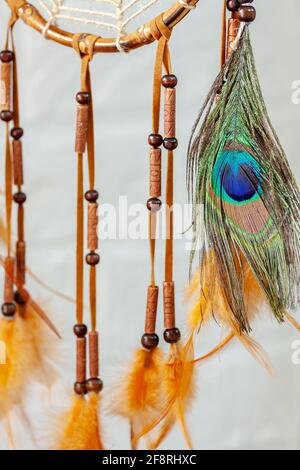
(169, 82)
(6, 114)
(241, 11)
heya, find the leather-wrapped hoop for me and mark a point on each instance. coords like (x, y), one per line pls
(31, 16)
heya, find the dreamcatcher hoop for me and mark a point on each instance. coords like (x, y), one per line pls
(142, 36)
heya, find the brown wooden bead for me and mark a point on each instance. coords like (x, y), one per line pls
(233, 29)
(170, 143)
(17, 133)
(6, 116)
(80, 388)
(154, 204)
(8, 309)
(92, 226)
(80, 330)
(21, 261)
(5, 89)
(9, 267)
(151, 309)
(6, 56)
(246, 13)
(169, 305)
(170, 113)
(17, 162)
(172, 335)
(91, 195)
(81, 359)
(94, 353)
(92, 259)
(155, 172)
(169, 81)
(81, 128)
(233, 5)
(19, 298)
(94, 384)
(83, 97)
(150, 341)
(19, 197)
(155, 140)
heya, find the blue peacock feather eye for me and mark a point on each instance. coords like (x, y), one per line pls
(237, 177)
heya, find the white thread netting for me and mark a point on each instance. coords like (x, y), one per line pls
(114, 15)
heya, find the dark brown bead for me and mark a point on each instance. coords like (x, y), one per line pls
(19, 298)
(150, 341)
(91, 195)
(8, 309)
(6, 56)
(170, 143)
(19, 197)
(172, 335)
(92, 258)
(246, 13)
(83, 97)
(80, 330)
(233, 5)
(169, 81)
(94, 385)
(6, 116)
(154, 204)
(17, 133)
(155, 140)
(80, 388)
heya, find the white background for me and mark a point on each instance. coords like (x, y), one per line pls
(238, 406)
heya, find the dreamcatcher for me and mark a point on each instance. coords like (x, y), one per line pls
(251, 213)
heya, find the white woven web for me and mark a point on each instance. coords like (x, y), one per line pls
(114, 15)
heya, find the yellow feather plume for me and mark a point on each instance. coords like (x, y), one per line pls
(210, 302)
(24, 340)
(82, 429)
(140, 399)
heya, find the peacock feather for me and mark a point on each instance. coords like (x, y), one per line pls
(244, 192)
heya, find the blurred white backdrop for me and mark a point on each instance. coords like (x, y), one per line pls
(238, 406)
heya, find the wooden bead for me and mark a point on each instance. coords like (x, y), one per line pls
(5, 89)
(150, 341)
(155, 140)
(81, 128)
(92, 259)
(154, 204)
(94, 353)
(246, 13)
(19, 197)
(9, 267)
(80, 330)
(151, 309)
(21, 261)
(91, 195)
(170, 143)
(17, 133)
(233, 29)
(155, 172)
(6, 56)
(17, 162)
(233, 5)
(169, 305)
(6, 116)
(8, 309)
(172, 336)
(83, 97)
(169, 81)
(19, 298)
(92, 226)
(80, 388)
(94, 384)
(81, 359)
(170, 113)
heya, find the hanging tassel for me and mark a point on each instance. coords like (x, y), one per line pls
(250, 204)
